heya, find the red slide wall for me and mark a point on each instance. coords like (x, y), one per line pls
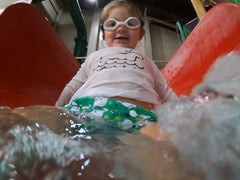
(35, 63)
(217, 33)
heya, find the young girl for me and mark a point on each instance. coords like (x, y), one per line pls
(118, 83)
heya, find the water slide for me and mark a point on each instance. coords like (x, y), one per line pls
(216, 34)
(36, 64)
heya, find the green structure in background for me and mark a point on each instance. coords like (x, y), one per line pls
(236, 2)
(185, 31)
(74, 9)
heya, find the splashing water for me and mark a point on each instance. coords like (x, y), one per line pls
(206, 127)
(44, 142)
(73, 148)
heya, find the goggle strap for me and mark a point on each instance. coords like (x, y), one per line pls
(101, 27)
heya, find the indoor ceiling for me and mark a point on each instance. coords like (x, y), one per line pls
(169, 11)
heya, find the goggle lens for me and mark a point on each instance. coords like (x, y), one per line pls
(113, 24)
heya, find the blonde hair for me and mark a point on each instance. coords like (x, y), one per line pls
(116, 3)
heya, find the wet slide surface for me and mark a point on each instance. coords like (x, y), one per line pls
(36, 65)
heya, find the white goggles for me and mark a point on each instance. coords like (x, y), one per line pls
(131, 23)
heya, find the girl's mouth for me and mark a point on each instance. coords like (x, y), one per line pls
(121, 38)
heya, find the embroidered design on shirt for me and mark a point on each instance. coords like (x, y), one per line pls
(126, 51)
(124, 59)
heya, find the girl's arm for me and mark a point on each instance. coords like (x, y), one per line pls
(164, 91)
(68, 92)
(72, 87)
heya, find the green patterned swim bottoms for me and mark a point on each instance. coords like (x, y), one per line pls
(124, 115)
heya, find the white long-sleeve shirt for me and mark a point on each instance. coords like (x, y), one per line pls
(117, 71)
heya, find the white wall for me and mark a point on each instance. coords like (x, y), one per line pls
(165, 43)
(6, 3)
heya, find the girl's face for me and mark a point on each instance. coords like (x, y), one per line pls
(122, 36)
